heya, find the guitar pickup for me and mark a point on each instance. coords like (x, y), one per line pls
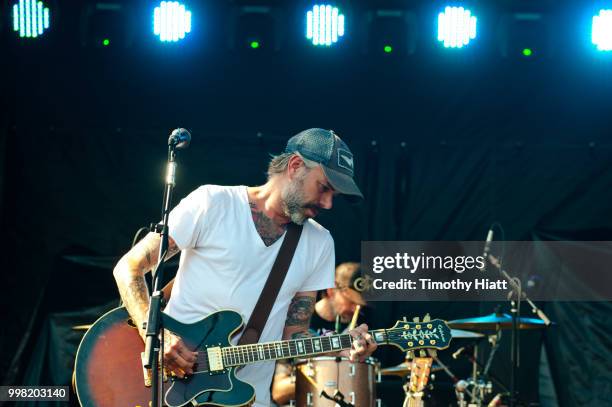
(215, 359)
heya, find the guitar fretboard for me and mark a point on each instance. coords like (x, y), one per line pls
(243, 354)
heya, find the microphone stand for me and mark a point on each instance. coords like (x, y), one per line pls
(153, 349)
(515, 306)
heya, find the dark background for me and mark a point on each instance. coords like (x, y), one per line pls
(445, 143)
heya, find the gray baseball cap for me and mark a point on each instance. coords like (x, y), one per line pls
(326, 148)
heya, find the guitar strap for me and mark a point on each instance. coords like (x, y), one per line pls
(268, 295)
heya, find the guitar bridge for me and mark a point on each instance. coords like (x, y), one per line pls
(215, 359)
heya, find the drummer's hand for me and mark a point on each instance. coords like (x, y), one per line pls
(178, 358)
(363, 344)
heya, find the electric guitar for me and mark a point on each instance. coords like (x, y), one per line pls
(109, 373)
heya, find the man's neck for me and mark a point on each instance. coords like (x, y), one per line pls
(266, 211)
(267, 200)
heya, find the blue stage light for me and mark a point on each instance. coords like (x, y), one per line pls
(30, 18)
(601, 33)
(456, 27)
(171, 21)
(324, 25)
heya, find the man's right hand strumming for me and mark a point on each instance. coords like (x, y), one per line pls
(178, 358)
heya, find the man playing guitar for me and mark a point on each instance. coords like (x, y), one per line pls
(229, 238)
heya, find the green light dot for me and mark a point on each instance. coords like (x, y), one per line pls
(527, 52)
(254, 44)
(388, 49)
(106, 42)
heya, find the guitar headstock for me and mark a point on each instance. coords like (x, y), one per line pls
(434, 334)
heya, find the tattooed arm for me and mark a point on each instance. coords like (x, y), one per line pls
(298, 321)
(129, 275)
(296, 326)
(298, 316)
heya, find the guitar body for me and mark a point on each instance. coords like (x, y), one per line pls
(109, 370)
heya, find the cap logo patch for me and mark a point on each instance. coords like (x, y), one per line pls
(345, 159)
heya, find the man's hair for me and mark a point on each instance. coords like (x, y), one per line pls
(279, 163)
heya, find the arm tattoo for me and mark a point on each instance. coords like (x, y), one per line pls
(269, 231)
(130, 271)
(135, 295)
(300, 311)
(147, 251)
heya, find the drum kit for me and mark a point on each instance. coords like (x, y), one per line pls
(335, 381)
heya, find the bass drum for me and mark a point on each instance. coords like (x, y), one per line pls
(355, 380)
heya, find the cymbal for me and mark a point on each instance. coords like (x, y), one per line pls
(495, 321)
(461, 334)
(403, 369)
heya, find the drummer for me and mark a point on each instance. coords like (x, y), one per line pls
(333, 313)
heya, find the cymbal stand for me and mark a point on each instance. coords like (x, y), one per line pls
(494, 340)
(474, 378)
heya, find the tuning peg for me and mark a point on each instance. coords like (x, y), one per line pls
(416, 319)
(410, 355)
(422, 353)
(404, 319)
(432, 352)
(426, 318)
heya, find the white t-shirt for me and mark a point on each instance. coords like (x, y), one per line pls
(225, 263)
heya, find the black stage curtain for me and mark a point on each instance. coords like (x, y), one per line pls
(445, 144)
(87, 192)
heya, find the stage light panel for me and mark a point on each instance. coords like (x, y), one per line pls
(456, 27)
(601, 34)
(391, 32)
(526, 35)
(324, 25)
(31, 18)
(107, 24)
(255, 28)
(171, 21)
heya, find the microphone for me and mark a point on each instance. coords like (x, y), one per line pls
(179, 139)
(487, 248)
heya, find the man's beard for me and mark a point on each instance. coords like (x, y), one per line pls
(294, 203)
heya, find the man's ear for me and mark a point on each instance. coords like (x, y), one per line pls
(293, 165)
